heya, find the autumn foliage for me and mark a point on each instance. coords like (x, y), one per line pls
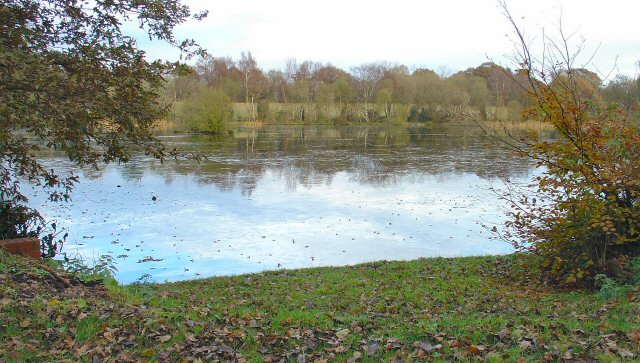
(581, 215)
(585, 211)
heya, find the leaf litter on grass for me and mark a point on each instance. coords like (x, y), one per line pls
(435, 309)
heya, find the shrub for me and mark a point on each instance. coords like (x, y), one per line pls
(18, 221)
(264, 110)
(418, 114)
(208, 111)
(582, 209)
(90, 272)
(608, 288)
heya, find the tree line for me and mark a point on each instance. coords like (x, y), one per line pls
(372, 92)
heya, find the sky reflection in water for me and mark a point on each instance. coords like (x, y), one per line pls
(299, 199)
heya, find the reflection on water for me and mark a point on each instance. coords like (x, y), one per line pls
(288, 197)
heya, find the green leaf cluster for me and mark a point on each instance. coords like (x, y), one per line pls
(72, 81)
(208, 110)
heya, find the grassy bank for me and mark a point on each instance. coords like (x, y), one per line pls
(431, 309)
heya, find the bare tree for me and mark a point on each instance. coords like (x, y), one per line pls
(255, 83)
(247, 66)
(367, 77)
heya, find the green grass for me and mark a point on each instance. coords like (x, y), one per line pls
(477, 308)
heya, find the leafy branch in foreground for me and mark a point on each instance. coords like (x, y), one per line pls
(72, 81)
(581, 215)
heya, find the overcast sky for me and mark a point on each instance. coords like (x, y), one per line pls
(443, 34)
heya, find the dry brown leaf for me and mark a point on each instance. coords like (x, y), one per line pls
(525, 344)
(340, 349)
(503, 333)
(568, 355)
(271, 358)
(341, 334)
(473, 349)
(626, 354)
(356, 356)
(371, 348)
(426, 346)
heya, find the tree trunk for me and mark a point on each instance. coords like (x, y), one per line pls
(253, 108)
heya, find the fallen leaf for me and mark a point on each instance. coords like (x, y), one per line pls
(426, 346)
(525, 344)
(502, 333)
(226, 349)
(371, 348)
(149, 259)
(568, 355)
(271, 358)
(356, 356)
(578, 332)
(164, 338)
(625, 353)
(340, 349)
(341, 334)
(128, 343)
(474, 349)
(107, 335)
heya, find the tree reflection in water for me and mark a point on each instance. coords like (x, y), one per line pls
(347, 194)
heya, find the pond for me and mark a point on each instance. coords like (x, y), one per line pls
(290, 197)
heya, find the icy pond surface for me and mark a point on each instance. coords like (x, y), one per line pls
(290, 197)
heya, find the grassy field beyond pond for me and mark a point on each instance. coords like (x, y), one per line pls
(476, 308)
